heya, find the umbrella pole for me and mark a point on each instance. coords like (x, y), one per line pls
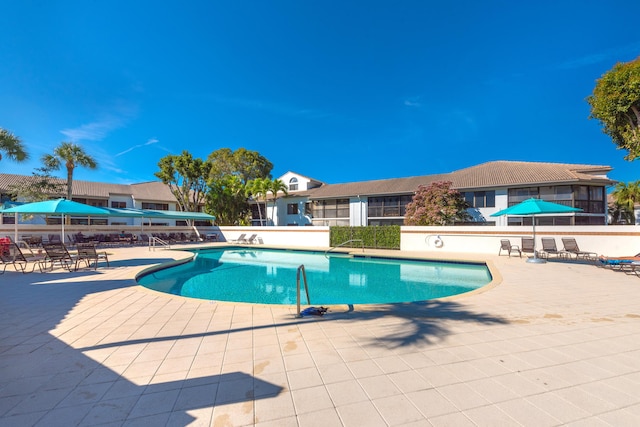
(15, 227)
(535, 259)
(63, 230)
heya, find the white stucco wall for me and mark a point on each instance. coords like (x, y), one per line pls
(605, 240)
(502, 202)
(284, 218)
(357, 211)
(306, 237)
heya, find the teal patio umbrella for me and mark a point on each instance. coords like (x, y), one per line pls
(150, 213)
(532, 207)
(60, 207)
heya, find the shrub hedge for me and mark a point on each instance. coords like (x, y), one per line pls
(373, 237)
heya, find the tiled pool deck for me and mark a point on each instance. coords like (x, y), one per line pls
(552, 344)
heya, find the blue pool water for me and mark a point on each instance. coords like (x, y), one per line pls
(268, 276)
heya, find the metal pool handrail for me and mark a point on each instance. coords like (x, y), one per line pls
(344, 243)
(156, 240)
(306, 287)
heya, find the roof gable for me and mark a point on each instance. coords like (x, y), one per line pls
(309, 183)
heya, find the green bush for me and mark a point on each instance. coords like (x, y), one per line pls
(374, 237)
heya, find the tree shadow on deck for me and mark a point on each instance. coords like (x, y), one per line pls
(407, 324)
(417, 322)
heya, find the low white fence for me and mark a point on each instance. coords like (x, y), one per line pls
(305, 237)
(606, 240)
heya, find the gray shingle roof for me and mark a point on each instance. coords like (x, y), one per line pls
(374, 188)
(487, 175)
(507, 173)
(151, 191)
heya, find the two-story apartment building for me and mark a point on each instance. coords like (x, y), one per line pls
(488, 188)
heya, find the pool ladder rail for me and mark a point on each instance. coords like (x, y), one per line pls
(306, 288)
(156, 241)
(344, 243)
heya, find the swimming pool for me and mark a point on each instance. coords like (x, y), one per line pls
(268, 276)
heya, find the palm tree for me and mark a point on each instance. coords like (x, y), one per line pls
(12, 146)
(258, 188)
(626, 196)
(71, 155)
(274, 186)
(619, 214)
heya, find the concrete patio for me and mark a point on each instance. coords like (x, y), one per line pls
(552, 344)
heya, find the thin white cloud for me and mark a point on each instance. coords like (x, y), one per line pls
(104, 159)
(114, 169)
(149, 142)
(95, 131)
(120, 114)
(414, 102)
(165, 149)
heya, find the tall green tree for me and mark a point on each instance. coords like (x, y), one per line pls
(12, 146)
(258, 188)
(615, 102)
(227, 201)
(275, 186)
(71, 155)
(626, 196)
(436, 204)
(186, 177)
(620, 215)
(245, 164)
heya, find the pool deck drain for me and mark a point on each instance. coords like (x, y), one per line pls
(553, 344)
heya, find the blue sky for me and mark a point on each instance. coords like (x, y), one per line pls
(338, 91)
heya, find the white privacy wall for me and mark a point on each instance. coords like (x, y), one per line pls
(604, 240)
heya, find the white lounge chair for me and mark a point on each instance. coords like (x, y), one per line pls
(241, 239)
